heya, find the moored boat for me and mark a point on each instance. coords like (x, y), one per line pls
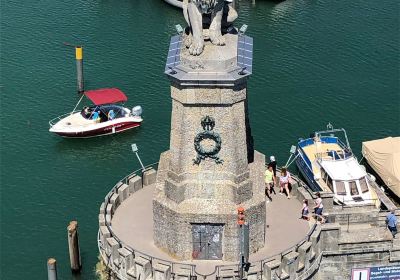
(383, 156)
(105, 117)
(329, 165)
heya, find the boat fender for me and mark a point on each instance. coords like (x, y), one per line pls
(372, 177)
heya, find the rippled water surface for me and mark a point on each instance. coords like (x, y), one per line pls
(314, 62)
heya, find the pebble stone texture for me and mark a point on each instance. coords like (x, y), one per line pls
(209, 193)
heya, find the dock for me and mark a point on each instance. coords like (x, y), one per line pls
(385, 200)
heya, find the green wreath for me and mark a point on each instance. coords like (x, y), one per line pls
(207, 135)
(203, 153)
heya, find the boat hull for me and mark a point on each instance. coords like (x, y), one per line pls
(307, 174)
(106, 130)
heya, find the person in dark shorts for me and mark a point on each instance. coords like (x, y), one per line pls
(304, 210)
(391, 222)
(319, 207)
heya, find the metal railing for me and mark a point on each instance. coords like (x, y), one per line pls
(57, 119)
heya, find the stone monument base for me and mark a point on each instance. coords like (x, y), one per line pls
(199, 228)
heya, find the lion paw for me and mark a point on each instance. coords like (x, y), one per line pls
(217, 38)
(197, 46)
(188, 40)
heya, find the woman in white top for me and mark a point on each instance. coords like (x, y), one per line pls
(284, 181)
(319, 207)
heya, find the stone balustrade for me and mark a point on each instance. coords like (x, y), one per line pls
(324, 243)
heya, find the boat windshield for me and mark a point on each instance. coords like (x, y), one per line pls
(103, 113)
(353, 188)
(329, 182)
(364, 185)
(340, 188)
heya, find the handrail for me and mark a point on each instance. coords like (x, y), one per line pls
(51, 122)
(322, 132)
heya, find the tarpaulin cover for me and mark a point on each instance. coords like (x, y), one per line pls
(383, 155)
(106, 96)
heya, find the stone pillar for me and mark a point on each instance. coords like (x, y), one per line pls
(143, 268)
(330, 236)
(327, 200)
(149, 177)
(290, 264)
(210, 167)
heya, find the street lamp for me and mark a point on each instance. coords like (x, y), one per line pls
(136, 150)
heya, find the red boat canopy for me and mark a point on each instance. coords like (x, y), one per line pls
(106, 96)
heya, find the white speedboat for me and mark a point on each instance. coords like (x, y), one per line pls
(328, 164)
(105, 117)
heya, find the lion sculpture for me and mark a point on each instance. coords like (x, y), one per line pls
(200, 14)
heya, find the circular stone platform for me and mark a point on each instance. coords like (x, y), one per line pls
(132, 223)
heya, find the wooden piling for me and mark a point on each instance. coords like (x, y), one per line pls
(73, 247)
(79, 68)
(51, 269)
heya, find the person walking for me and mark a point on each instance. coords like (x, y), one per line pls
(284, 181)
(304, 210)
(269, 182)
(391, 222)
(319, 207)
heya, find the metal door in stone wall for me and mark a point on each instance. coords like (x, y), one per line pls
(207, 241)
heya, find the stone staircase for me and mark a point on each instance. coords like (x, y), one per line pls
(395, 250)
(365, 237)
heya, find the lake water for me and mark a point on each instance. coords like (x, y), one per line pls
(314, 62)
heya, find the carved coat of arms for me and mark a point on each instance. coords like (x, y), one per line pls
(204, 152)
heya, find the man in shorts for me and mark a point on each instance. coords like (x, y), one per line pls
(391, 222)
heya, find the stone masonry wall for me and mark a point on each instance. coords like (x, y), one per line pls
(227, 107)
(321, 255)
(173, 219)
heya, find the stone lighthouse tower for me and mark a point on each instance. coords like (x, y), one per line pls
(211, 167)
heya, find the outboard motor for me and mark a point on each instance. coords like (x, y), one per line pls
(137, 111)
